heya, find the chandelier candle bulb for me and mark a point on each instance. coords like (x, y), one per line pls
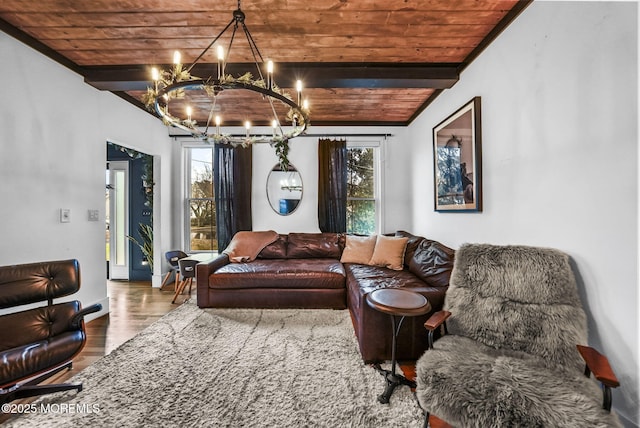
(155, 76)
(269, 74)
(176, 58)
(299, 89)
(220, 62)
(218, 121)
(189, 111)
(247, 125)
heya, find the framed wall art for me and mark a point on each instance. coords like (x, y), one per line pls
(457, 158)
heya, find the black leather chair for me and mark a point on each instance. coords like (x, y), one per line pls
(187, 269)
(172, 258)
(37, 343)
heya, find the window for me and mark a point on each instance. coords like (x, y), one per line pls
(200, 204)
(362, 189)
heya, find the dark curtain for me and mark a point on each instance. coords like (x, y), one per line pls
(232, 181)
(332, 185)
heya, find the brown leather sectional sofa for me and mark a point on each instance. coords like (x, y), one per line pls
(303, 270)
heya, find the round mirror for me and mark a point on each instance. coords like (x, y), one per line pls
(284, 189)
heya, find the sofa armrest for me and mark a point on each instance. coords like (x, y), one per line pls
(599, 364)
(203, 271)
(207, 268)
(436, 320)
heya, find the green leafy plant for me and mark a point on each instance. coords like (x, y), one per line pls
(146, 246)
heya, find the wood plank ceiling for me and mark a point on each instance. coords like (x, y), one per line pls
(363, 62)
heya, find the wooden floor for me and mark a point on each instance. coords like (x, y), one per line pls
(133, 306)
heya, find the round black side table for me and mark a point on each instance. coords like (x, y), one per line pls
(399, 304)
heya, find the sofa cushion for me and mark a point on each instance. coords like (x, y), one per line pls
(315, 273)
(389, 252)
(432, 262)
(275, 250)
(358, 249)
(314, 245)
(412, 244)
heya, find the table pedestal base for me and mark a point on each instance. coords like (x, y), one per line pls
(393, 381)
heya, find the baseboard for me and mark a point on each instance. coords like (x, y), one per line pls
(156, 281)
(627, 423)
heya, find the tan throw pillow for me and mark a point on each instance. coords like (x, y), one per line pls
(358, 249)
(389, 252)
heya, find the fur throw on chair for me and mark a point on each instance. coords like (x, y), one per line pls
(510, 358)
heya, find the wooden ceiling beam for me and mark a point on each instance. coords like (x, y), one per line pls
(314, 75)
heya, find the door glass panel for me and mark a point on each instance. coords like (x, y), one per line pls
(120, 217)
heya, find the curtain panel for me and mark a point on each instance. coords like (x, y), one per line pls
(332, 185)
(232, 183)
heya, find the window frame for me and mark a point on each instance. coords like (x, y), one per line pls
(186, 207)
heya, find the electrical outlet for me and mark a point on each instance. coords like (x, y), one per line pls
(94, 215)
(65, 215)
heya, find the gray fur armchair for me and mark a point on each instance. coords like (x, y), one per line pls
(514, 319)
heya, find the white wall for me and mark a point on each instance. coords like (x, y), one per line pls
(560, 159)
(53, 134)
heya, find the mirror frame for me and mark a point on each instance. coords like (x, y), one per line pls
(275, 202)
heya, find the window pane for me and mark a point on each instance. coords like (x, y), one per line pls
(360, 179)
(202, 228)
(201, 173)
(361, 217)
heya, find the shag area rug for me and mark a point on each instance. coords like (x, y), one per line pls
(232, 368)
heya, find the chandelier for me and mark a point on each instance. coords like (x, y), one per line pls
(177, 83)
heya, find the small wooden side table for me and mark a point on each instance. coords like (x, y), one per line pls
(399, 304)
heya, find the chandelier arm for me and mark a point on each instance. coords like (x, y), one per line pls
(213, 106)
(275, 115)
(254, 49)
(210, 44)
(233, 36)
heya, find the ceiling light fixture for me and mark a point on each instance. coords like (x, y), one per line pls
(178, 83)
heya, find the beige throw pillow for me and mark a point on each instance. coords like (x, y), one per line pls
(358, 249)
(389, 252)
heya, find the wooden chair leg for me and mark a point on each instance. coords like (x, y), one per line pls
(190, 284)
(179, 289)
(166, 279)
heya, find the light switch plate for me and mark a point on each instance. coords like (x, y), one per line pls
(94, 215)
(65, 215)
